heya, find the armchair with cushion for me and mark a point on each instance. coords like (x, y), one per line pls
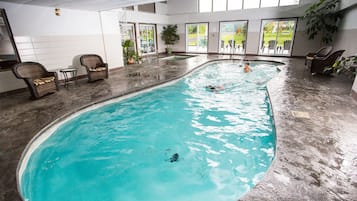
(38, 79)
(96, 68)
(318, 64)
(322, 52)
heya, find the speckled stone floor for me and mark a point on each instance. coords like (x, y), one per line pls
(315, 118)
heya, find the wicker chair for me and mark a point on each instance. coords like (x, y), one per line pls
(96, 69)
(322, 52)
(38, 79)
(318, 64)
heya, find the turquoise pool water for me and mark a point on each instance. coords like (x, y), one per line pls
(225, 141)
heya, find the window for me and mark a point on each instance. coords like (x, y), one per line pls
(147, 38)
(129, 8)
(223, 5)
(149, 8)
(196, 37)
(8, 52)
(235, 4)
(251, 4)
(269, 3)
(288, 2)
(205, 6)
(233, 37)
(277, 37)
(219, 5)
(128, 33)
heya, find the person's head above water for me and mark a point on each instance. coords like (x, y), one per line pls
(247, 69)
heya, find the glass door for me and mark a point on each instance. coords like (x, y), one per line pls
(277, 37)
(197, 37)
(233, 37)
(128, 33)
(147, 38)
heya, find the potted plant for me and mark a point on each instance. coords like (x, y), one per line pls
(323, 17)
(169, 36)
(128, 51)
(345, 66)
(133, 57)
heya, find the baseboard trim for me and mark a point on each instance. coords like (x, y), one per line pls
(216, 53)
(21, 90)
(11, 92)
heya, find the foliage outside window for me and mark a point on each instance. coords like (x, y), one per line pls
(233, 37)
(197, 37)
(277, 36)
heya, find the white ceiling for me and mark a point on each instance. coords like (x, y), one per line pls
(93, 5)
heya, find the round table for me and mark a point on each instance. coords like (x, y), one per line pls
(69, 73)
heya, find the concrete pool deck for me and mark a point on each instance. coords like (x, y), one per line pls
(315, 118)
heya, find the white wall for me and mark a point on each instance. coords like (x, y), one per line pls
(182, 6)
(346, 37)
(161, 8)
(111, 38)
(54, 41)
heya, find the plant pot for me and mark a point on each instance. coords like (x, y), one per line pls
(131, 61)
(168, 50)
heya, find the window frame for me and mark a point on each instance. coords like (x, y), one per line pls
(186, 37)
(147, 11)
(155, 38)
(198, 8)
(135, 34)
(289, 4)
(293, 41)
(235, 9)
(219, 36)
(260, 4)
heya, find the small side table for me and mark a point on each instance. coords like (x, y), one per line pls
(69, 71)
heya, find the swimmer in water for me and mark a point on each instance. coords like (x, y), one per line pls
(214, 88)
(246, 68)
(174, 158)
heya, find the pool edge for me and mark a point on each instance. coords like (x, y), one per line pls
(29, 149)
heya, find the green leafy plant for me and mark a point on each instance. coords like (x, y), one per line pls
(345, 65)
(128, 46)
(323, 17)
(169, 36)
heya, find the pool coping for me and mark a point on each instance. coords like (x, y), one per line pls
(46, 132)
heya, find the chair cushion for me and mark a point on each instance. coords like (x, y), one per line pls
(44, 80)
(97, 69)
